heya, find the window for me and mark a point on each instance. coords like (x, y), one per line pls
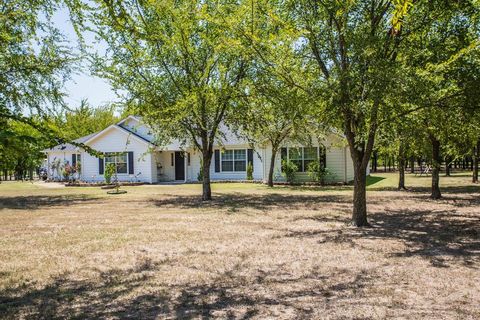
(295, 156)
(119, 160)
(309, 155)
(302, 157)
(234, 160)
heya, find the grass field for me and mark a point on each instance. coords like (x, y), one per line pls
(252, 252)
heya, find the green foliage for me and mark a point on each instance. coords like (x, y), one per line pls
(317, 172)
(85, 120)
(181, 64)
(249, 171)
(20, 147)
(33, 55)
(110, 171)
(289, 171)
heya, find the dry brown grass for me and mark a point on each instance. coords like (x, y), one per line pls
(159, 252)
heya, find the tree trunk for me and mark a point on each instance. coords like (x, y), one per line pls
(436, 160)
(272, 166)
(359, 216)
(206, 187)
(476, 159)
(447, 166)
(412, 165)
(401, 168)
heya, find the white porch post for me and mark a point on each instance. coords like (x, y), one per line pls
(185, 164)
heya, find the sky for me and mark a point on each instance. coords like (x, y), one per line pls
(83, 85)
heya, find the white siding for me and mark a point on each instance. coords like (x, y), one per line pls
(335, 158)
(336, 154)
(157, 167)
(257, 166)
(153, 163)
(349, 166)
(64, 157)
(195, 165)
(164, 164)
(115, 140)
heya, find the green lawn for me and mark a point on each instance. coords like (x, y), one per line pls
(253, 252)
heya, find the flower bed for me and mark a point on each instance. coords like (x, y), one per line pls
(102, 184)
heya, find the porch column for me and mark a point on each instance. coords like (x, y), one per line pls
(185, 165)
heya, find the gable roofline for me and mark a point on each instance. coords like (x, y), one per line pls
(68, 147)
(114, 126)
(128, 118)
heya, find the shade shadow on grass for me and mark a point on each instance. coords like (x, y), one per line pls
(101, 297)
(134, 294)
(43, 201)
(442, 237)
(262, 202)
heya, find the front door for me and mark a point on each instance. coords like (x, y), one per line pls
(179, 166)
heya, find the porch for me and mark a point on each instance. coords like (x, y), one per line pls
(170, 166)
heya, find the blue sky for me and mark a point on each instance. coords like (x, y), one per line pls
(83, 85)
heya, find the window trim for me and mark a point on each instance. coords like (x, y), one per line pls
(303, 156)
(116, 154)
(233, 160)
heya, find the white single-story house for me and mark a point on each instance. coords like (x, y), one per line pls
(129, 145)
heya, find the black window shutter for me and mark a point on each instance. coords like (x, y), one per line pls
(130, 162)
(74, 159)
(250, 156)
(283, 154)
(100, 166)
(217, 160)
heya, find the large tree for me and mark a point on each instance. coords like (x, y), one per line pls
(355, 46)
(438, 55)
(359, 48)
(275, 113)
(35, 62)
(179, 63)
(34, 59)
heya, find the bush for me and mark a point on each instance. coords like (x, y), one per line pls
(317, 172)
(249, 171)
(109, 172)
(289, 170)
